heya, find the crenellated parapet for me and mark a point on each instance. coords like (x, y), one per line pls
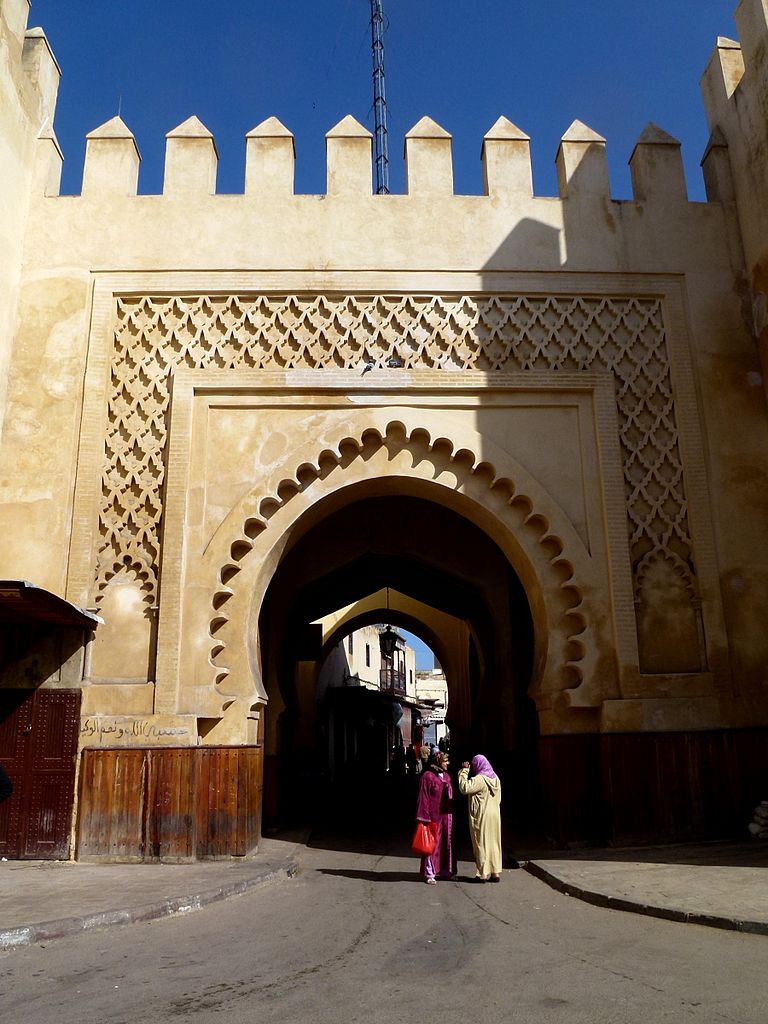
(270, 155)
(348, 154)
(716, 165)
(722, 76)
(428, 159)
(506, 160)
(191, 161)
(581, 163)
(29, 59)
(42, 70)
(735, 91)
(657, 167)
(111, 160)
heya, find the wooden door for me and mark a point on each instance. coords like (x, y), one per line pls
(38, 748)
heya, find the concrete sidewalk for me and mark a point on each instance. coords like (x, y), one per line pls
(722, 885)
(45, 900)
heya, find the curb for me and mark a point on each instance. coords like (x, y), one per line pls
(601, 899)
(47, 931)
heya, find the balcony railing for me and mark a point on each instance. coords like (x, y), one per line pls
(392, 681)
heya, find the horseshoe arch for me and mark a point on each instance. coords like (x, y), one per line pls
(386, 454)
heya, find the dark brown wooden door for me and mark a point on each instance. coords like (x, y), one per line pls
(38, 747)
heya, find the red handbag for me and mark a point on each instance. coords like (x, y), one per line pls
(423, 840)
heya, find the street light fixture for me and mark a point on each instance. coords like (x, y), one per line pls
(388, 641)
(388, 637)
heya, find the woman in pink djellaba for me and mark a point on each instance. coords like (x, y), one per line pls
(435, 808)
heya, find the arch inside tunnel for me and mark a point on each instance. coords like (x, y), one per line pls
(409, 701)
(391, 606)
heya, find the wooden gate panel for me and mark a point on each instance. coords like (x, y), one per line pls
(10, 822)
(50, 811)
(249, 830)
(111, 808)
(38, 747)
(171, 802)
(15, 717)
(55, 727)
(9, 828)
(218, 805)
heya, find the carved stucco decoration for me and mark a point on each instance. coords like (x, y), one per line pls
(154, 335)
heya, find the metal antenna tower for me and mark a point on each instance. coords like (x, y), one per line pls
(381, 157)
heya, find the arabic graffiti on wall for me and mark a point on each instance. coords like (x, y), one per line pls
(123, 731)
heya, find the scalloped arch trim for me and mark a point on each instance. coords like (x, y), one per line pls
(570, 626)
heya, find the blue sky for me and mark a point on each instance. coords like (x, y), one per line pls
(613, 64)
(424, 655)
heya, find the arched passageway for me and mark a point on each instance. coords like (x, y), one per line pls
(431, 557)
(479, 540)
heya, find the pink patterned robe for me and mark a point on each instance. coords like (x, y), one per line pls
(435, 805)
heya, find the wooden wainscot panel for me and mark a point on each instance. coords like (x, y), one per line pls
(634, 788)
(674, 787)
(572, 804)
(171, 804)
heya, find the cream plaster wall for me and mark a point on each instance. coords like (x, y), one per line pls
(243, 448)
(81, 253)
(489, 235)
(28, 84)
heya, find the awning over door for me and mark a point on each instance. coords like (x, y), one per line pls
(22, 603)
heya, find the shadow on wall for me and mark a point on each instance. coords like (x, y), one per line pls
(31, 655)
(598, 324)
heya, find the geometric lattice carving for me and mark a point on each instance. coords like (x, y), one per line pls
(156, 335)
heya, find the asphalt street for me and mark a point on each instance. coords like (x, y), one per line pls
(356, 937)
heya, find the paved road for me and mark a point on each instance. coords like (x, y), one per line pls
(357, 938)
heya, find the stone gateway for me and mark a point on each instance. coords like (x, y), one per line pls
(532, 430)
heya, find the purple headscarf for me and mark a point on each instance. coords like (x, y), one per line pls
(482, 766)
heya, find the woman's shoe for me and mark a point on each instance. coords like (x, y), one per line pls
(495, 878)
(431, 881)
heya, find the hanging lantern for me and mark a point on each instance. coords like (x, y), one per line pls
(388, 637)
(388, 641)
